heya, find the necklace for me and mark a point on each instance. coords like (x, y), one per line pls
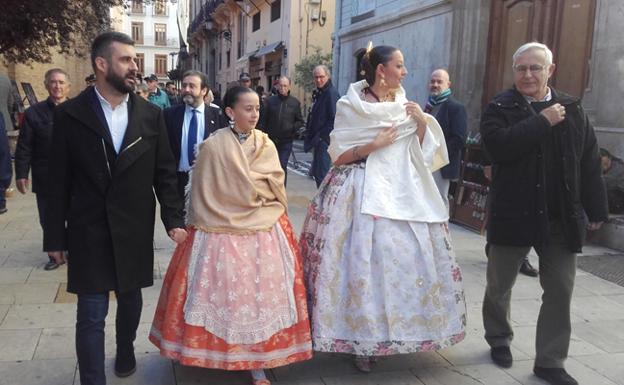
(368, 90)
(242, 137)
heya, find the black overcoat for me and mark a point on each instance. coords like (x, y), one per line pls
(102, 204)
(453, 120)
(514, 137)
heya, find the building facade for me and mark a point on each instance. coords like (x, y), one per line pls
(264, 38)
(474, 40)
(153, 25)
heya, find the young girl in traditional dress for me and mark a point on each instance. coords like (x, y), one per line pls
(379, 264)
(233, 297)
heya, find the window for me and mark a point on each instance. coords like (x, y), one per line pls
(137, 6)
(228, 58)
(160, 31)
(160, 64)
(362, 10)
(160, 8)
(276, 8)
(137, 32)
(140, 62)
(255, 24)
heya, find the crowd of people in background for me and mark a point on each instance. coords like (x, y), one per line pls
(374, 272)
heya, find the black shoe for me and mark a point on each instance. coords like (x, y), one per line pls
(528, 270)
(51, 265)
(3, 210)
(554, 376)
(501, 355)
(125, 365)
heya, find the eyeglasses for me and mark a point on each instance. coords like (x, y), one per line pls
(534, 68)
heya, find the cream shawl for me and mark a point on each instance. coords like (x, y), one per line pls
(236, 188)
(398, 182)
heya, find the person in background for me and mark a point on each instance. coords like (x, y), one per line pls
(451, 115)
(6, 101)
(613, 175)
(172, 93)
(142, 90)
(90, 80)
(281, 118)
(34, 144)
(244, 80)
(321, 122)
(156, 95)
(191, 123)
(6, 172)
(546, 193)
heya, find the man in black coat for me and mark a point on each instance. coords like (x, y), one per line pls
(193, 116)
(280, 119)
(321, 122)
(33, 144)
(451, 115)
(111, 153)
(547, 190)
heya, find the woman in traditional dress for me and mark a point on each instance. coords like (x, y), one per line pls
(234, 297)
(380, 269)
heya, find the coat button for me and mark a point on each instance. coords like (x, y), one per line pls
(541, 212)
(538, 185)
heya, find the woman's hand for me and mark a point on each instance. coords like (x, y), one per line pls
(386, 137)
(415, 112)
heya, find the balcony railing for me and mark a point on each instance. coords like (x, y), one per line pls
(204, 14)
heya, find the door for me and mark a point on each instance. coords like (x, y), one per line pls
(565, 26)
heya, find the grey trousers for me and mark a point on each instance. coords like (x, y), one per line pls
(557, 271)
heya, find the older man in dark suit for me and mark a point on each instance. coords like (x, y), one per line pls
(33, 145)
(111, 153)
(190, 123)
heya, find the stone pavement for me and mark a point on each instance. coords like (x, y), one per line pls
(37, 323)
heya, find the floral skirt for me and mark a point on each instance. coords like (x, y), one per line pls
(234, 302)
(377, 286)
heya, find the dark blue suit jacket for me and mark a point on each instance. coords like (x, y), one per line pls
(453, 120)
(174, 119)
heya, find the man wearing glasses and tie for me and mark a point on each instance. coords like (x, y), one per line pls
(547, 191)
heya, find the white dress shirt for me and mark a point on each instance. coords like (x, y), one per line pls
(201, 120)
(116, 118)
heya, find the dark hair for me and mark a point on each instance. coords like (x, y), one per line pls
(260, 89)
(231, 96)
(381, 54)
(605, 152)
(168, 83)
(101, 44)
(203, 79)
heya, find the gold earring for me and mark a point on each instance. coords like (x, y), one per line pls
(382, 83)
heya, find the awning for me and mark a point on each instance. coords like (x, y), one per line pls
(247, 56)
(267, 49)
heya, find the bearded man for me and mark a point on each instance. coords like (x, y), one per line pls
(190, 123)
(111, 160)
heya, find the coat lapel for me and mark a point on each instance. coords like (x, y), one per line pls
(92, 116)
(134, 144)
